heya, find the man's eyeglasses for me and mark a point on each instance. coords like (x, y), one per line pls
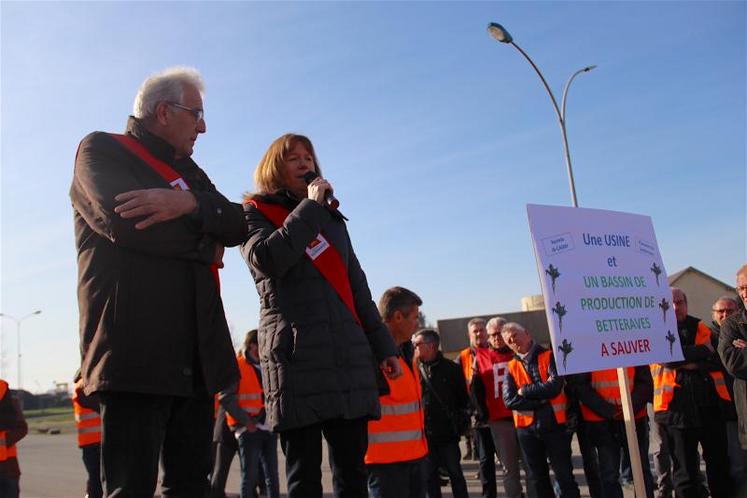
(494, 335)
(199, 114)
(419, 343)
(724, 310)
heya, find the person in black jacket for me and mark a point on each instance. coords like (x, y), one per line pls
(688, 396)
(534, 391)
(723, 308)
(445, 403)
(600, 407)
(732, 348)
(321, 338)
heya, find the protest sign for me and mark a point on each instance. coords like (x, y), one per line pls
(607, 297)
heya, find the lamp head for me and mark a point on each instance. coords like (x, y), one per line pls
(499, 33)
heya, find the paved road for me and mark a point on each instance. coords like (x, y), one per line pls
(52, 468)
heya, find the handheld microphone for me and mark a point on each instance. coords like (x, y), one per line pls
(332, 201)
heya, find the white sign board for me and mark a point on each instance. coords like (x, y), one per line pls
(606, 293)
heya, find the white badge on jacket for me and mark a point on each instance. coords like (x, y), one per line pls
(317, 247)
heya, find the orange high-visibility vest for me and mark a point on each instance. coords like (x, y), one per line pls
(250, 391)
(606, 384)
(87, 421)
(6, 452)
(399, 436)
(466, 358)
(665, 378)
(521, 378)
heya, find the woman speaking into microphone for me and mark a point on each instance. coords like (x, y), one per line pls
(321, 339)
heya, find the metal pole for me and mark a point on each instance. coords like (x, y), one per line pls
(627, 404)
(561, 120)
(18, 335)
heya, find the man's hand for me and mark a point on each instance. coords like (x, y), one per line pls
(739, 343)
(391, 367)
(219, 250)
(156, 204)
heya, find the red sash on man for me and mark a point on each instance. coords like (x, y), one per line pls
(164, 170)
(322, 254)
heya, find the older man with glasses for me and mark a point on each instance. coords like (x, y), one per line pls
(444, 403)
(486, 392)
(150, 229)
(732, 348)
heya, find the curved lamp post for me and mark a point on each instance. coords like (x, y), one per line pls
(502, 35)
(18, 333)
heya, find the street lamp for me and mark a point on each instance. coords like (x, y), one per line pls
(502, 35)
(18, 333)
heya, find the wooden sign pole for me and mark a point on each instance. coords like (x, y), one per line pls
(629, 417)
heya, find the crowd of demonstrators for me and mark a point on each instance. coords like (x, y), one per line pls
(150, 231)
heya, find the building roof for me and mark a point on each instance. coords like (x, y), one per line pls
(674, 277)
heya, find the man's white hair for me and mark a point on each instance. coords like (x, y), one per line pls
(165, 86)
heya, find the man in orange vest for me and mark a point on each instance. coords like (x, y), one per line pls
(479, 439)
(88, 422)
(245, 414)
(601, 409)
(534, 391)
(397, 447)
(486, 392)
(13, 428)
(687, 399)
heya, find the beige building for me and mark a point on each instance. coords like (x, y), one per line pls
(701, 289)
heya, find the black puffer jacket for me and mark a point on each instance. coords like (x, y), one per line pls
(317, 363)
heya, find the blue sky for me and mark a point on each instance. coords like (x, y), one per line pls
(434, 135)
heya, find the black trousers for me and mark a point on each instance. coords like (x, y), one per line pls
(138, 430)
(92, 460)
(683, 447)
(347, 442)
(486, 455)
(223, 453)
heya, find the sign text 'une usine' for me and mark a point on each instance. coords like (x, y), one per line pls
(606, 293)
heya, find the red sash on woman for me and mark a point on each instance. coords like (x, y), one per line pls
(165, 171)
(322, 254)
